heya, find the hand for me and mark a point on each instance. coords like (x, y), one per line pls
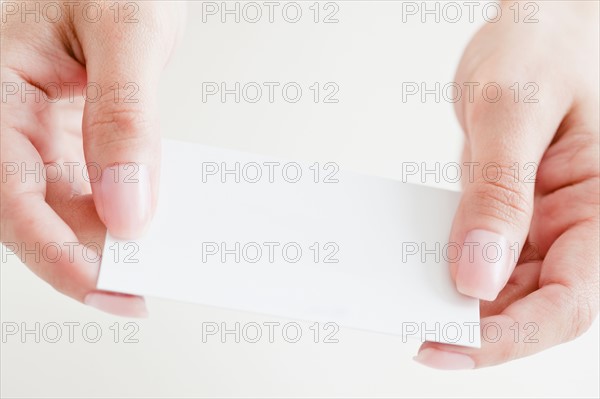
(551, 296)
(113, 53)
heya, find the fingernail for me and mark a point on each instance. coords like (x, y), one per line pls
(484, 265)
(443, 360)
(126, 197)
(120, 305)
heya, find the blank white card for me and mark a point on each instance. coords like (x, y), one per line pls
(300, 241)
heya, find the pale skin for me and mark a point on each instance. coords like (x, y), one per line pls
(554, 286)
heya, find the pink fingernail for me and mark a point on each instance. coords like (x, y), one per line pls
(126, 199)
(120, 305)
(443, 360)
(483, 268)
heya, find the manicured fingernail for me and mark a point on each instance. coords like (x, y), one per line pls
(443, 360)
(483, 268)
(120, 305)
(126, 200)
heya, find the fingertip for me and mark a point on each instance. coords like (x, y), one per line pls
(126, 200)
(484, 268)
(117, 304)
(444, 360)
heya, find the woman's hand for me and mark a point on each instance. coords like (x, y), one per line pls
(52, 53)
(551, 296)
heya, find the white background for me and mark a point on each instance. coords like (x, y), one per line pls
(369, 53)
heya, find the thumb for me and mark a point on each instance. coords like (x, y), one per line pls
(506, 142)
(120, 125)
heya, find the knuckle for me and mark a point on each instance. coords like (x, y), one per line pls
(16, 218)
(503, 197)
(120, 127)
(584, 310)
(586, 151)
